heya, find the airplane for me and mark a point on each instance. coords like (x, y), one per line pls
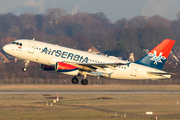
(75, 62)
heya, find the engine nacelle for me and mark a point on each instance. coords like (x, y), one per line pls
(66, 68)
(47, 67)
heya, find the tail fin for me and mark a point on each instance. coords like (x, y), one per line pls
(157, 56)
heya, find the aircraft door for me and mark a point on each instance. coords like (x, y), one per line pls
(31, 47)
(134, 71)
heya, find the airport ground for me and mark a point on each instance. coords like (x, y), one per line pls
(91, 106)
(95, 87)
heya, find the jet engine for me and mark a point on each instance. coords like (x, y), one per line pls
(47, 67)
(66, 68)
(62, 67)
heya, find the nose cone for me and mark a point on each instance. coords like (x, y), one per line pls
(6, 48)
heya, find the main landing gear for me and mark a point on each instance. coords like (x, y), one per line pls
(83, 81)
(74, 80)
(24, 69)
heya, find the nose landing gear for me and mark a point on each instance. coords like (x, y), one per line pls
(24, 69)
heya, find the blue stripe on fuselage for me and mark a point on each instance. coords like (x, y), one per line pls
(69, 70)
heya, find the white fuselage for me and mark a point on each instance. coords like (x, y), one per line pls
(49, 54)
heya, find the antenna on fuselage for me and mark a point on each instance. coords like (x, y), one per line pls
(33, 39)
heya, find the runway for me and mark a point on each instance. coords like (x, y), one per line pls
(90, 92)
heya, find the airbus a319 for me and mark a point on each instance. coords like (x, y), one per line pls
(75, 62)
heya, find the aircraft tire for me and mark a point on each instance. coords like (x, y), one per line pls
(74, 80)
(24, 69)
(84, 81)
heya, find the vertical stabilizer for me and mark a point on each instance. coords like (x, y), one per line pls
(157, 56)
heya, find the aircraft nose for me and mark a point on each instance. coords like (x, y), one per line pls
(6, 48)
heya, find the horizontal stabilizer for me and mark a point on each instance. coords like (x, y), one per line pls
(160, 73)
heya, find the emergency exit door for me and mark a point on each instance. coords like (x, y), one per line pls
(134, 71)
(31, 47)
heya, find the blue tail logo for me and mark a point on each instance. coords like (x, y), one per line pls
(156, 58)
(158, 55)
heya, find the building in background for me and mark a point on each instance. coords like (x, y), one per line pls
(94, 50)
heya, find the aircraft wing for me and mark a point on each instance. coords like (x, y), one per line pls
(93, 67)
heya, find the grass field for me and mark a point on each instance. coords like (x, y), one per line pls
(89, 106)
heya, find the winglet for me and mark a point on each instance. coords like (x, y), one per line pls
(157, 56)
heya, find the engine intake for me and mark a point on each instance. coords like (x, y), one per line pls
(62, 67)
(47, 67)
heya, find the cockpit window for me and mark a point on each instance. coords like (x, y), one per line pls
(17, 43)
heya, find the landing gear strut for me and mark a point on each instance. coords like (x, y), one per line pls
(24, 69)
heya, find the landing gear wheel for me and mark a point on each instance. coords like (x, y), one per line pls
(84, 81)
(24, 69)
(74, 80)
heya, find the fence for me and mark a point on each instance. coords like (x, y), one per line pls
(92, 80)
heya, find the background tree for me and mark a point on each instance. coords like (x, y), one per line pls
(84, 30)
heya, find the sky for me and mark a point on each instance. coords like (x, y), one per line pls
(113, 9)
